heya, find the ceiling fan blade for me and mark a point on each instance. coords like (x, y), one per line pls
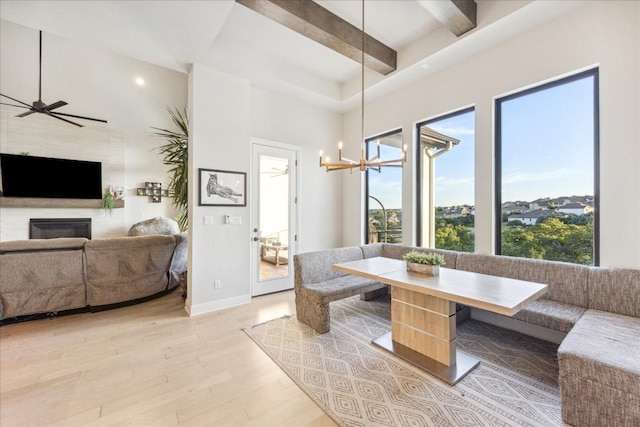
(55, 116)
(19, 102)
(26, 113)
(40, 107)
(78, 117)
(55, 105)
(13, 105)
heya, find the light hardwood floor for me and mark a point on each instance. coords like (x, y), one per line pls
(149, 365)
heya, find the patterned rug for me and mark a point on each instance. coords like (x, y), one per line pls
(358, 384)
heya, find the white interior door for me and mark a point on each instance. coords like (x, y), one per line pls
(273, 216)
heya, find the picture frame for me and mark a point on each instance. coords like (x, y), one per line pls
(222, 188)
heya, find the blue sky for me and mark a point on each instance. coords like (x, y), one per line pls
(548, 153)
(547, 150)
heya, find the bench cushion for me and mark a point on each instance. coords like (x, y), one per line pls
(600, 371)
(317, 266)
(604, 347)
(551, 314)
(616, 290)
(567, 283)
(341, 287)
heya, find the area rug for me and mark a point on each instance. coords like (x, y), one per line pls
(358, 384)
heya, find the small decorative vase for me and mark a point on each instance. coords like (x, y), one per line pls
(427, 269)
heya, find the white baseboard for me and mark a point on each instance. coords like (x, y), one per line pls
(518, 325)
(211, 306)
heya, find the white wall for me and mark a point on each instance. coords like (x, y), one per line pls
(277, 118)
(219, 139)
(97, 84)
(227, 113)
(606, 34)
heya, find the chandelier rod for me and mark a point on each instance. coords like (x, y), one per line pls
(375, 162)
(362, 154)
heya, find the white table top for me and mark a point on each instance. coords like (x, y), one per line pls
(493, 293)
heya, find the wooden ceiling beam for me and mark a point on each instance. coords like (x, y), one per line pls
(317, 23)
(459, 16)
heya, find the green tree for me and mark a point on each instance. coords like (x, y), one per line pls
(453, 237)
(550, 239)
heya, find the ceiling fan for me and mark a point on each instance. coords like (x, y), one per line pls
(40, 107)
(274, 172)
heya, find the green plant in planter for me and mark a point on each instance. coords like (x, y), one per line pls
(108, 202)
(424, 258)
(175, 153)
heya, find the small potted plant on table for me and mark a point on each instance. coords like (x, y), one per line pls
(425, 263)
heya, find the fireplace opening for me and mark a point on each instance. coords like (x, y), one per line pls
(51, 228)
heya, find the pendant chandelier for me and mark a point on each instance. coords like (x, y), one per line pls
(375, 162)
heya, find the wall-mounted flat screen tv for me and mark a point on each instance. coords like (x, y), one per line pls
(30, 176)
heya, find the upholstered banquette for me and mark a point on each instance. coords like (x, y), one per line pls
(595, 310)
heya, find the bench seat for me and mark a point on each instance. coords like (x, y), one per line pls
(551, 314)
(595, 309)
(316, 284)
(599, 371)
(312, 302)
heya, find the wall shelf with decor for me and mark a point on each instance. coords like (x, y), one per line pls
(154, 191)
(37, 202)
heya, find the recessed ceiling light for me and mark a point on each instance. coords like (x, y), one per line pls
(425, 65)
(139, 81)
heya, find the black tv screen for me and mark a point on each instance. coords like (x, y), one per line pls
(30, 176)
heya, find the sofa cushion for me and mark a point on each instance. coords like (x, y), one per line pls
(157, 225)
(55, 284)
(179, 259)
(551, 314)
(603, 347)
(615, 290)
(33, 245)
(122, 269)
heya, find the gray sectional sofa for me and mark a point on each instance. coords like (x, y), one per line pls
(596, 309)
(47, 276)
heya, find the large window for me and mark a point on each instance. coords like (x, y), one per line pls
(547, 171)
(446, 182)
(384, 191)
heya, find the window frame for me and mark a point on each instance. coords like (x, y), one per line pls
(366, 176)
(590, 73)
(420, 166)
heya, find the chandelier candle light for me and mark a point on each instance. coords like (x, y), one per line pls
(375, 162)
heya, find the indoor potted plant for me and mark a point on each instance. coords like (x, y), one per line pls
(108, 201)
(175, 155)
(426, 263)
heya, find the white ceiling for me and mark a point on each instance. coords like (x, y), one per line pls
(232, 38)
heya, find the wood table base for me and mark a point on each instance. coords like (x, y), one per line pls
(449, 374)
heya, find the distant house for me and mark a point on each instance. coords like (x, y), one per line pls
(575, 209)
(454, 212)
(540, 203)
(532, 217)
(546, 202)
(511, 207)
(586, 200)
